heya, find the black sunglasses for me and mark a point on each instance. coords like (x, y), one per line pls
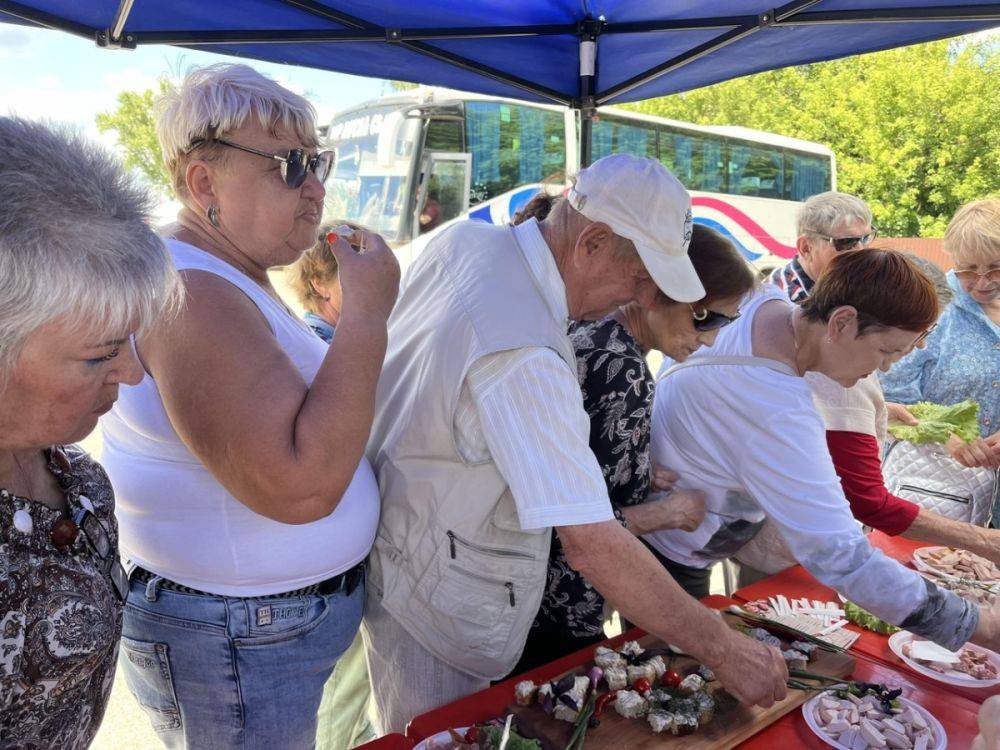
(841, 244)
(294, 165)
(710, 320)
(99, 541)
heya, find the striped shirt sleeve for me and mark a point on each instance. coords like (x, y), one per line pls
(532, 421)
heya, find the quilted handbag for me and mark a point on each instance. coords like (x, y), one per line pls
(928, 476)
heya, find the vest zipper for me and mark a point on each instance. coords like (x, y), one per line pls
(935, 493)
(454, 539)
(509, 585)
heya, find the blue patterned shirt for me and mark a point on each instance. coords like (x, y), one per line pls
(320, 327)
(961, 360)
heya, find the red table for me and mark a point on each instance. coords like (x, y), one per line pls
(389, 742)
(796, 582)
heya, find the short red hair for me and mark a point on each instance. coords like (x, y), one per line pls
(887, 289)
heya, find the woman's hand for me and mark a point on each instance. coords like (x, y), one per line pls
(899, 413)
(977, 454)
(369, 275)
(683, 509)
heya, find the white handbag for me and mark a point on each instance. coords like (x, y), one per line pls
(928, 476)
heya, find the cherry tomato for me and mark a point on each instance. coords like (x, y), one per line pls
(472, 734)
(641, 685)
(671, 679)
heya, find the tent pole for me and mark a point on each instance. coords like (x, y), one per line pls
(590, 29)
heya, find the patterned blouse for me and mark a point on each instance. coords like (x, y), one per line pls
(60, 618)
(961, 360)
(618, 396)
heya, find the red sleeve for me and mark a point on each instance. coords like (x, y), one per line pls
(857, 459)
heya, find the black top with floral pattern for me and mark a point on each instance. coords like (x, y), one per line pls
(60, 618)
(618, 397)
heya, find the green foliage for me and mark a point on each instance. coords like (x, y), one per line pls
(916, 130)
(136, 128)
(937, 423)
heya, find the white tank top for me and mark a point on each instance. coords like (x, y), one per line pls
(176, 520)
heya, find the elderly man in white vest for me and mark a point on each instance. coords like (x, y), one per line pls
(480, 445)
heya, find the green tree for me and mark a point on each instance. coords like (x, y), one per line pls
(916, 131)
(135, 126)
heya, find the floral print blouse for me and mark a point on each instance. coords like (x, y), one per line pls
(961, 360)
(60, 618)
(618, 396)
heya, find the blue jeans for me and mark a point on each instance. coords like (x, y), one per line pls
(224, 672)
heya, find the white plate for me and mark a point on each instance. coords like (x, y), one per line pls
(897, 640)
(809, 712)
(926, 566)
(440, 738)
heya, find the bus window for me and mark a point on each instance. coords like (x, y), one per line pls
(365, 187)
(444, 135)
(696, 160)
(610, 136)
(756, 170)
(806, 175)
(512, 145)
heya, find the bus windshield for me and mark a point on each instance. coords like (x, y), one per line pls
(369, 185)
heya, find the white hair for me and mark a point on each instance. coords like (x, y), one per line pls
(75, 240)
(214, 100)
(824, 212)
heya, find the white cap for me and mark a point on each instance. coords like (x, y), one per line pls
(643, 202)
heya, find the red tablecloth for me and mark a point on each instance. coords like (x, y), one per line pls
(389, 742)
(797, 582)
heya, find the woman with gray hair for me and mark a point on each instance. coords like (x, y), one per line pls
(828, 223)
(245, 501)
(80, 273)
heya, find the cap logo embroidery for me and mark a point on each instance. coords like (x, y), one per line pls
(688, 221)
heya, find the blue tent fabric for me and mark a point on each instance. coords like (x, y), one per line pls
(532, 66)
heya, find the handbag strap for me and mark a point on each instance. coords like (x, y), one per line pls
(743, 361)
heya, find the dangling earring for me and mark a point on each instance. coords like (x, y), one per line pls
(699, 316)
(213, 215)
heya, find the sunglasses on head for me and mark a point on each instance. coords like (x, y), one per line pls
(710, 320)
(841, 244)
(295, 164)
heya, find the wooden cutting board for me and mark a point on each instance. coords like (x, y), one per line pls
(732, 724)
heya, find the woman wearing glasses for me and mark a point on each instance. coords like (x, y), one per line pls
(246, 505)
(962, 357)
(618, 396)
(739, 423)
(80, 272)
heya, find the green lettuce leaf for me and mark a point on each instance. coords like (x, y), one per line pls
(937, 423)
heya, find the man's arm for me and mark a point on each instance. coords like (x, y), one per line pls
(633, 581)
(533, 422)
(936, 529)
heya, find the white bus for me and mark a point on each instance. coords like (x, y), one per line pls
(411, 162)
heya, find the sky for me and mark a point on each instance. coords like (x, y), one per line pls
(54, 75)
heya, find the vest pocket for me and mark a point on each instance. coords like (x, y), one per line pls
(479, 610)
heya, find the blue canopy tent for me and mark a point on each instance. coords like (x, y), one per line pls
(580, 53)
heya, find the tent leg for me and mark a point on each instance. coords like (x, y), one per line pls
(588, 87)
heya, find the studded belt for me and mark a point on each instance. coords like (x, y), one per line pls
(346, 582)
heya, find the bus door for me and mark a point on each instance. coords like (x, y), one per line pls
(445, 179)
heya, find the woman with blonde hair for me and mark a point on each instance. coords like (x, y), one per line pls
(315, 278)
(247, 507)
(962, 357)
(81, 272)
